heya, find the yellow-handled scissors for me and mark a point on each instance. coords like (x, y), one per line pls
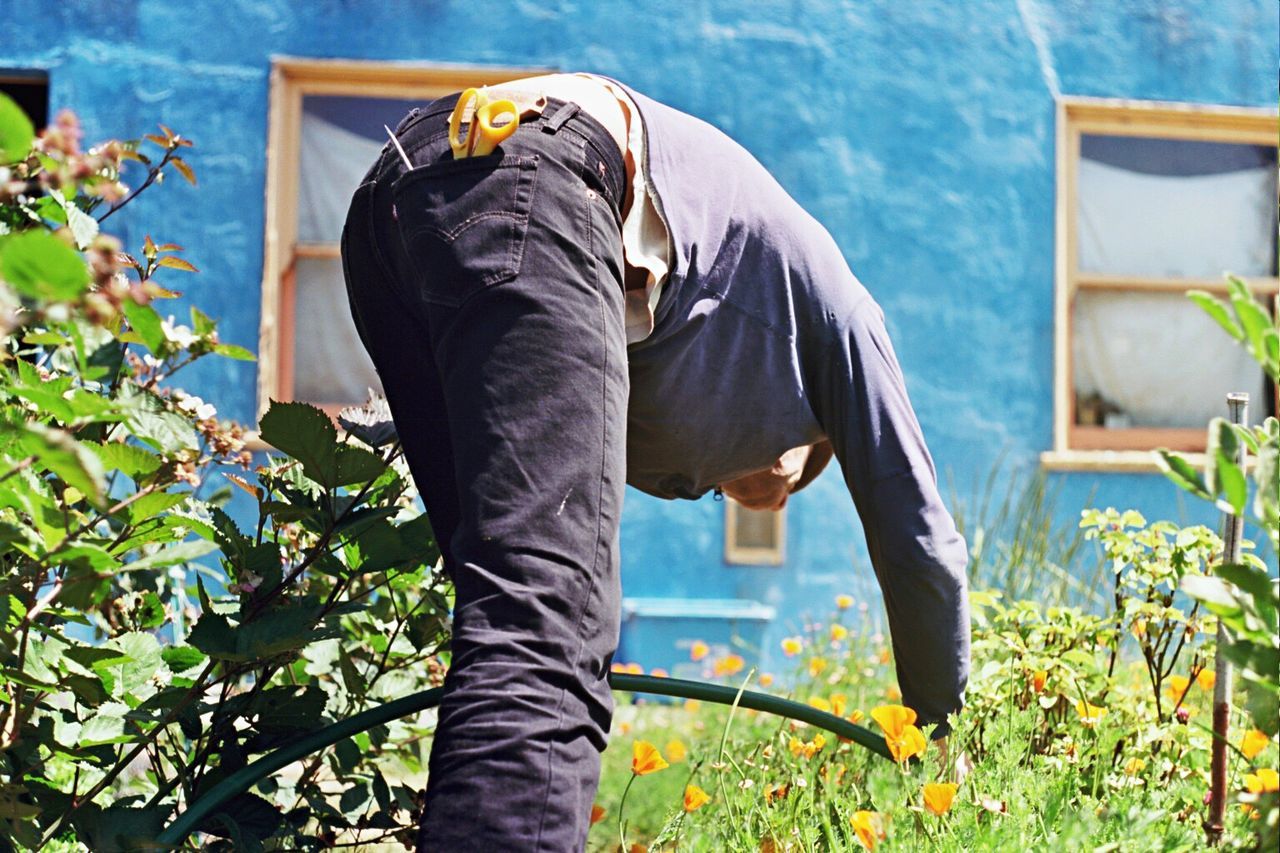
(483, 130)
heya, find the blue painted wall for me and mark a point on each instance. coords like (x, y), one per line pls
(920, 133)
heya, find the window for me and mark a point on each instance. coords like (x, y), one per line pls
(30, 91)
(1155, 200)
(325, 131)
(753, 537)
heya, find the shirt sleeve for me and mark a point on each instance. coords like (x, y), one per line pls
(860, 399)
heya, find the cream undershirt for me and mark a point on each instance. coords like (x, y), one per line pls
(644, 235)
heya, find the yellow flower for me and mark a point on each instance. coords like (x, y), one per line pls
(807, 749)
(1090, 715)
(1178, 687)
(839, 703)
(1206, 679)
(727, 665)
(634, 669)
(796, 746)
(869, 827)
(844, 601)
(676, 751)
(659, 672)
(699, 650)
(692, 705)
(695, 798)
(892, 693)
(816, 666)
(903, 738)
(1134, 766)
(938, 797)
(838, 632)
(597, 813)
(1253, 742)
(1264, 781)
(792, 646)
(1038, 678)
(819, 703)
(885, 657)
(766, 679)
(646, 759)
(857, 716)
(624, 728)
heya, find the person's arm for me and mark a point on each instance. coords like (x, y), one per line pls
(857, 391)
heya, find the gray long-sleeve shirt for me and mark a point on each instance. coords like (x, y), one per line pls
(763, 341)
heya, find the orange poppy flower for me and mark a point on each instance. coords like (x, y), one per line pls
(1253, 742)
(1264, 781)
(792, 646)
(1038, 678)
(728, 665)
(695, 798)
(676, 751)
(857, 717)
(869, 827)
(839, 702)
(1090, 715)
(816, 666)
(893, 694)
(1206, 679)
(938, 797)
(1134, 766)
(597, 813)
(646, 759)
(903, 738)
(659, 672)
(1177, 688)
(844, 601)
(634, 669)
(699, 650)
(766, 679)
(819, 703)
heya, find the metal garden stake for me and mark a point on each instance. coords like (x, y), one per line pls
(1233, 530)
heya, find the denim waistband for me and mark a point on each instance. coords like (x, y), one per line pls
(556, 116)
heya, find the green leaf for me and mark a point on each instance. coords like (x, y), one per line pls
(153, 504)
(153, 425)
(70, 460)
(1218, 311)
(104, 726)
(290, 708)
(1254, 320)
(39, 265)
(182, 658)
(140, 660)
(183, 552)
(16, 131)
(1251, 579)
(357, 466)
(144, 320)
(1224, 474)
(83, 227)
(150, 611)
(1182, 473)
(252, 817)
(1216, 594)
(213, 634)
(239, 353)
(305, 433)
(131, 460)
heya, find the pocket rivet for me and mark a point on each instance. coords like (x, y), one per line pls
(591, 193)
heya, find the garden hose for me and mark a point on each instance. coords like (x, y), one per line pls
(246, 777)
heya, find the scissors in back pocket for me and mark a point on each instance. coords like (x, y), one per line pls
(483, 130)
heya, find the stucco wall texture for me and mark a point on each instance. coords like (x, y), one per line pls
(921, 133)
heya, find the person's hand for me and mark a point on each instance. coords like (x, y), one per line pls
(957, 771)
(770, 488)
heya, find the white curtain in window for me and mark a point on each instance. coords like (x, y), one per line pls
(330, 364)
(1155, 356)
(1170, 226)
(331, 164)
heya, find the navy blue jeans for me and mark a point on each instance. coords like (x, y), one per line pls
(488, 292)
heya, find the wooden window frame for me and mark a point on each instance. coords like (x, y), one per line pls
(736, 555)
(1077, 447)
(292, 79)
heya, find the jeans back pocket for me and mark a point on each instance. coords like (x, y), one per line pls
(463, 223)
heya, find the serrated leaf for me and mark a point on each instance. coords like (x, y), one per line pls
(146, 322)
(1182, 473)
(357, 466)
(175, 263)
(184, 169)
(132, 461)
(182, 658)
(154, 504)
(1218, 311)
(39, 265)
(183, 552)
(305, 433)
(73, 462)
(16, 131)
(236, 352)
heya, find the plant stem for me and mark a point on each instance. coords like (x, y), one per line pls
(622, 832)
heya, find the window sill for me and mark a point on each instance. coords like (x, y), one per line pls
(1120, 461)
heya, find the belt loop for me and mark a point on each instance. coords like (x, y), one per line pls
(562, 115)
